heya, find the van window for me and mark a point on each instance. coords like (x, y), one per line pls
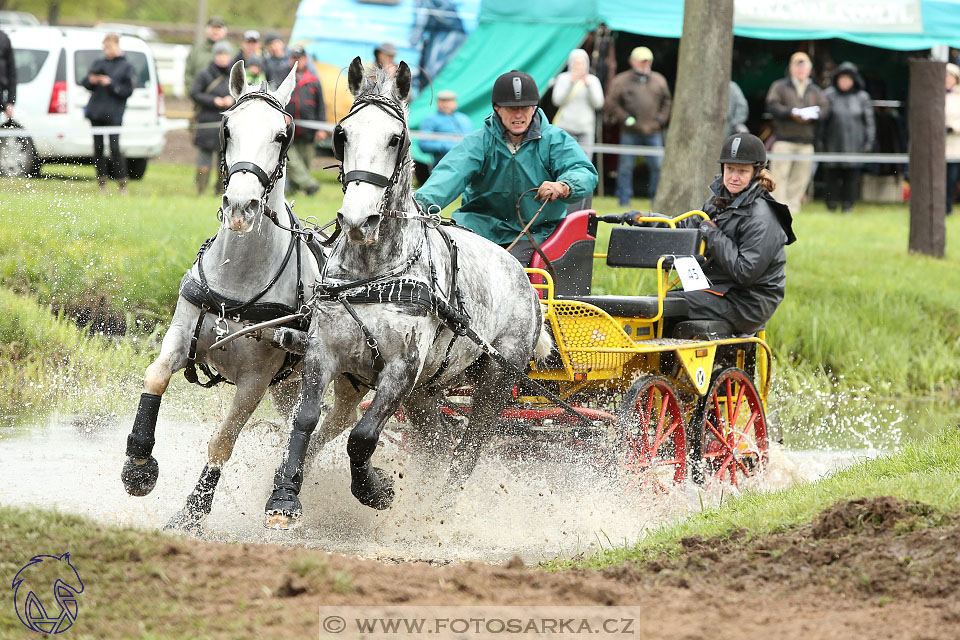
(82, 59)
(28, 63)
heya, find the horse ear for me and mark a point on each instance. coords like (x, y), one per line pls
(238, 79)
(285, 90)
(355, 75)
(402, 81)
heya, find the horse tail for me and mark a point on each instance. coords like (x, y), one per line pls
(544, 343)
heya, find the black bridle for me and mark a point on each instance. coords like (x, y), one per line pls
(395, 110)
(268, 181)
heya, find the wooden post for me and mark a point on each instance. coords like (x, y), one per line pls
(699, 108)
(928, 180)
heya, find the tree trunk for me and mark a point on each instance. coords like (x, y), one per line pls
(699, 108)
(928, 182)
(53, 13)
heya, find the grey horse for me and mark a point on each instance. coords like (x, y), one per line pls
(253, 269)
(397, 293)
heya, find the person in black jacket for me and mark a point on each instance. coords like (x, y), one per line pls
(211, 94)
(8, 76)
(745, 236)
(306, 103)
(110, 79)
(847, 128)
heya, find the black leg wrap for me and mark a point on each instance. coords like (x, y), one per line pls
(289, 477)
(141, 440)
(199, 503)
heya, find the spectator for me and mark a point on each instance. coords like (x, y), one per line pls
(110, 79)
(738, 110)
(578, 95)
(276, 61)
(8, 76)
(796, 104)
(384, 57)
(952, 109)
(848, 127)
(253, 69)
(202, 53)
(211, 94)
(249, 46)
(306, 103)
(639, 101)
(446, 120)
(516, 150)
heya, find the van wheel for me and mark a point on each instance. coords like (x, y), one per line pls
(136, 167)
(18, 158)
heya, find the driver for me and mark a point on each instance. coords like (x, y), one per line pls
(745, 237)
(515, 150)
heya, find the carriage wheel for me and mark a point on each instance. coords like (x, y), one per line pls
(652, 443)
(729, 431)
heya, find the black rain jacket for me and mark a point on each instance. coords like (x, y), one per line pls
(107, 103)
(745, 253)
(211, 83)
(8, 72)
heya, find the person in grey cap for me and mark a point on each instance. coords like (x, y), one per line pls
(446, 120)
(276, 60)
(211, 95)
(249, 46)
(384, 55)
(202, 52)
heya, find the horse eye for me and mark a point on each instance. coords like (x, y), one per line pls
(394, 141)
(280, 137)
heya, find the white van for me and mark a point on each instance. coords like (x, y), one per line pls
(51, 63)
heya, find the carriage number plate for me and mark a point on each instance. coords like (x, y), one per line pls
(691, 275)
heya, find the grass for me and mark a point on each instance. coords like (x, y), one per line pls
(926, 471)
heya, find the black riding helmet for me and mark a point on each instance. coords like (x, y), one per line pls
(743, 148)
(515, 89)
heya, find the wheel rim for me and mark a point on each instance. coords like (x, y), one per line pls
(734, 429)
(653, 440)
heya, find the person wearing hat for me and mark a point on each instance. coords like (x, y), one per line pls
(639, 101)
(796, 104)
(745, 237)
(384, 57)
(516, 150)
(211, 95)
(446, 119)
(110, 80)
(847, 128)
(306, 103)
(952, 112)
(276, 60)
(249, 46)
(201, 53)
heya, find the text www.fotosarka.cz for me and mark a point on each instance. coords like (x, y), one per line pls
(477, 621)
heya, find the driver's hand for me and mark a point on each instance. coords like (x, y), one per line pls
(551, 191)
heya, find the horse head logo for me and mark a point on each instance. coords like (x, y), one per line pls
(37, 577)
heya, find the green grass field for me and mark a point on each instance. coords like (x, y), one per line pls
(860, 311)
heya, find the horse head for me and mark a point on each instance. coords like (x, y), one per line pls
(255, 135)
(373, 143)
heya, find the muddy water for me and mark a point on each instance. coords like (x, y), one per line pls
(535, 508)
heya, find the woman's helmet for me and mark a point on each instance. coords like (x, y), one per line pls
(743, 148)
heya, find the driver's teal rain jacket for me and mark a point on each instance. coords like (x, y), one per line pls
(491, 178)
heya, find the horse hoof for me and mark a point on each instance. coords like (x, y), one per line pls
(139, 475)
(281, 521)
(377, 493)
(185, 521)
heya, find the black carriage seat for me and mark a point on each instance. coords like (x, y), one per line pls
(642, 247)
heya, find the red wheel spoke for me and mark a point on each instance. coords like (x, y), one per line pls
(665, 435)
(729, 393)
(736, 408)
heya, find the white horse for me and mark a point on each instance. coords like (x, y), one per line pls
(254, 269)
(394, 300)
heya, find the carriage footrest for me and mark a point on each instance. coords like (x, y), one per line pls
(634, 306)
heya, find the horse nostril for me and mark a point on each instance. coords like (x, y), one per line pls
(372, 221)
(224, 203)
(252, 206)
